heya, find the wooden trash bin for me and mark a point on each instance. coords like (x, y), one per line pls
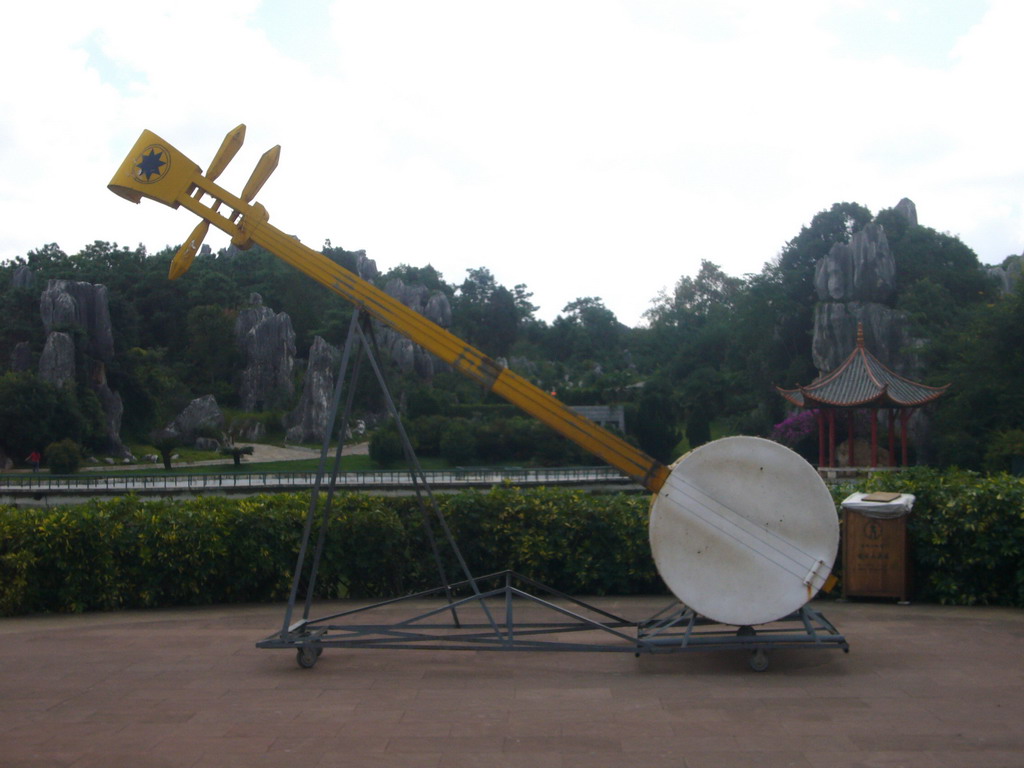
(876, 548)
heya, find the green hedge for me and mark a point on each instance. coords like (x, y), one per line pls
(129, 553)
(967, 535)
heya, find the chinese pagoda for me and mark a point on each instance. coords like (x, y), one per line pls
(861, 382)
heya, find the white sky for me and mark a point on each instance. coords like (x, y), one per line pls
(582, 147)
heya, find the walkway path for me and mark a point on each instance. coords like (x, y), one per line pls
(262, 452)
(923, 687)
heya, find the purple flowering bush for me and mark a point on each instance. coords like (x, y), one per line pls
(796, 428)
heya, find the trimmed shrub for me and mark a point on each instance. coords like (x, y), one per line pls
(129, 553)
(966, 532)
(385, 447)
(458, 443)
(63, 457)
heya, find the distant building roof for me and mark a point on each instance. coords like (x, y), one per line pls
(862, 380)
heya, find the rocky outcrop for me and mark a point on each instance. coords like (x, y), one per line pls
(67, 304)
(57, 363)
(434, 306)
(886, 335)
(250, 431)
(113, 407)
(267, 341)
(308, 422)
(855, 283)
(366, 267)
(24, 278)
(200, 418)
(862, 270)
(907, 210)
(1008, 275)
(207, 444)
(76, 313)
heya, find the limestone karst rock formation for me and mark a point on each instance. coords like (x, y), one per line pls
(306, 424)
(23, 277)
(855, 284)
(366, 267)
(1007, 275)
(434, 306)
(199, 418)
(267, 341)
(907, 210)
(70, 306)
(68, 303)
(57, 362)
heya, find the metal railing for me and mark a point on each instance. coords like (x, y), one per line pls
(92, 483)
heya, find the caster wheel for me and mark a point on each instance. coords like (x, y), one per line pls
(307, 657)
(759, 660)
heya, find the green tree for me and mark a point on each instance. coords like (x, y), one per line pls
(212, 353)
(385, 447)
(586, 330)
(34, 414)
(426, 276)
(923, 253)
(793, 275)
(63, 457)
(488, 315)
(500, 322)
(982, 361)
(151, 388)
(696, 298)
(427, 431)
(166, 442)
(655, 422)
(20, 309)
(236, 452)
(458, 442)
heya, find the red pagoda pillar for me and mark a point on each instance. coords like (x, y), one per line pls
(850, 438)
(904, 418)
(831, 437)
(874, 437)
(892, 437)
(820, 416)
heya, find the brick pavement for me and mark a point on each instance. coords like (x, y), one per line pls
(922, 686)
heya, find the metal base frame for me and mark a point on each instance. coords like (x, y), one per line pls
(678, 629)
(506, 611)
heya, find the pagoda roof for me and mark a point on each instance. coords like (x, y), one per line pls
(862, 380)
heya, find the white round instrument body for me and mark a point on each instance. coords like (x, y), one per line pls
(744, 531)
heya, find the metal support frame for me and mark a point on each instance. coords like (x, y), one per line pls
(503, 611)
(680, 629)
(535, 617)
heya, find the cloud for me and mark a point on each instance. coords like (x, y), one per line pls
(582, 148)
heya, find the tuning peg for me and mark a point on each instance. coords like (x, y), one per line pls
(264, 168)
(183, 258)
(228, 149)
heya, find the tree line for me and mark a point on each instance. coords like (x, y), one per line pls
(704, 362)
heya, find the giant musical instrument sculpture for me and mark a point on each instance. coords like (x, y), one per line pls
(742, 530)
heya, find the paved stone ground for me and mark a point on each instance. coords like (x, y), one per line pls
(922, 686)
(261, 452)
